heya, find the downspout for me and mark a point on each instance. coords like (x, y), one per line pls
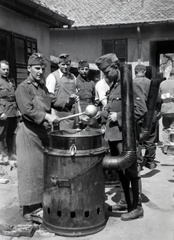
(139, 44)
(128, 155)
(151, 107)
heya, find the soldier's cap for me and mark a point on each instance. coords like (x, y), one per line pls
(140, 67)
(83, 63)
(106, 61)
(64, 58)
(36, 59)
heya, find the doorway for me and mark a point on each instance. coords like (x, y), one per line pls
(159, 50)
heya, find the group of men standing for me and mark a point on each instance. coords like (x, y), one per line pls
(42, 104)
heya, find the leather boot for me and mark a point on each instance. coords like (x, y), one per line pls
(134, 214)
(120, 206)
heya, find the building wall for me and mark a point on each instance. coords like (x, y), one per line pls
(20, 24)
(88, 43)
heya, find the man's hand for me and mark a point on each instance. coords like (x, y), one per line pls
(52, 118)
(3, 116)
(98, 115)
(112, 117)
(72, 99)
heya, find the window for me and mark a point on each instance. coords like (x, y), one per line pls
(24, 48)
(117, 46)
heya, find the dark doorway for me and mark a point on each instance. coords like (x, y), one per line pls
(157, 48)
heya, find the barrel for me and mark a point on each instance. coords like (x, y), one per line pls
(74, 186)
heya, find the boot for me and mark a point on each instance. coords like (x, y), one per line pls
(137, 210)
(134, 214)
(120, 206)
(151, 165)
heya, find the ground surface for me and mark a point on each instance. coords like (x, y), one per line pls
(158, 204)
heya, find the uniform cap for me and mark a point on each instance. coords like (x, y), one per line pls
(106, 61)
(64, 57)
(140, 67)
(36, 59)
(83, 63)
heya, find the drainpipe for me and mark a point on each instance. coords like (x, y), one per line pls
(128, 155)
(151, 107)
(139, 44)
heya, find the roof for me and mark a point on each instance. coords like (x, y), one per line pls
(38, 10)
(97, 13)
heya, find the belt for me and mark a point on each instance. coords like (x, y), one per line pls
(86, 100)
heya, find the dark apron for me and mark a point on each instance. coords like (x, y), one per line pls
(31, 140)
(66, 88)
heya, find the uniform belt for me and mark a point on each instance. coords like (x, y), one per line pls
(86, 100)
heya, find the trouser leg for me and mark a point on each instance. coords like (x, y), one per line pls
(11, 126)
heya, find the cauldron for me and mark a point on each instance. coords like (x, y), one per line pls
(74, 187)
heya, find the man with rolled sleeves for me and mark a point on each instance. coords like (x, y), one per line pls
(62, 83)
(8, 118)
(109, 64)
(34, 102)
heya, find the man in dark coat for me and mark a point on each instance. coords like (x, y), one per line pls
(34, 102)
(8, 118)
(143, 83)
(109, 64)
(86, 92)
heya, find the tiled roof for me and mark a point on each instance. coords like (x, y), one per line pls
(88, 13)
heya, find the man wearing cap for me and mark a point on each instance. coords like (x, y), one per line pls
(62, 83)
(9, 115)
(85, 90)
(34, 103)
(109, 65)
(143, 84)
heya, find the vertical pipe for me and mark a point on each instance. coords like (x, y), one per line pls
(128, 120)
(139, 44)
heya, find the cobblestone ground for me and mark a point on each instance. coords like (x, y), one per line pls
(158, 221)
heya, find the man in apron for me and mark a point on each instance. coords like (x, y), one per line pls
(34, 103)
(62, 83)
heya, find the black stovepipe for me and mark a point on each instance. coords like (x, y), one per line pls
(151, 107)
(128, 155)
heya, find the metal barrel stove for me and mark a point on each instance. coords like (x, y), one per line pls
(74, 185)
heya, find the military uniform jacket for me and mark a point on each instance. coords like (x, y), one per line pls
(114, 129)
(7, 98)
(86, 91)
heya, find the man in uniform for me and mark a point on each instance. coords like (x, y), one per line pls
(34, 102)
(8, 118)
(143, 84)
(62, 83)
(109, 64)
(86, 92)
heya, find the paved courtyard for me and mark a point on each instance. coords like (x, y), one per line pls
(158, 204)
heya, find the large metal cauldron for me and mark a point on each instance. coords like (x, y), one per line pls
(74, 188)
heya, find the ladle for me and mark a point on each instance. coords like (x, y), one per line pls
(90, 111)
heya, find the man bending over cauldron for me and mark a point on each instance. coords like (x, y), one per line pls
(110, 66)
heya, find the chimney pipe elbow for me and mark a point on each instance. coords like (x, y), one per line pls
(121, 162)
